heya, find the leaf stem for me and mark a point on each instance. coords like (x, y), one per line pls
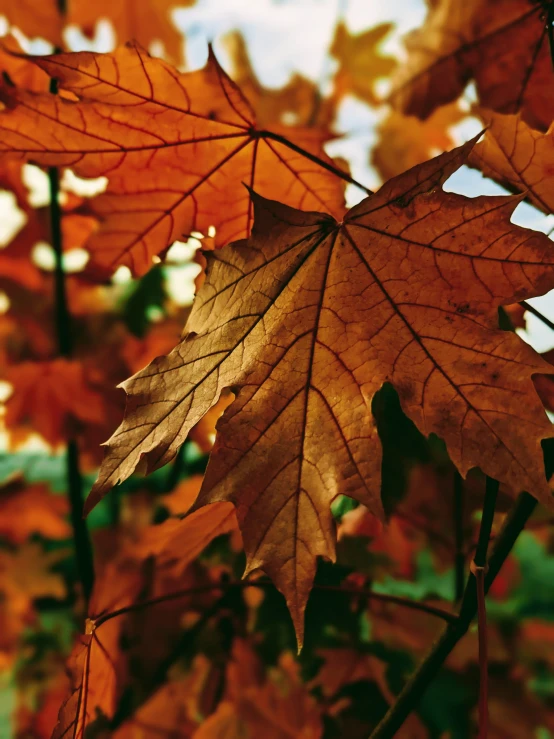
(64, 335)
(329, 166)
(418, 683)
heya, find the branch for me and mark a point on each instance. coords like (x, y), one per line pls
(312, 157)
(459, 554)
(535, 312)
(83, 548)
(478, 570)
(361, 592)
(416, 686)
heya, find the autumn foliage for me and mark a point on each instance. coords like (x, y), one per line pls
(270, 437)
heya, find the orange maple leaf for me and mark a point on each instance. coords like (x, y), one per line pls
(31, 509)
(195, 136)
(97, 665)
(518, 157)
(54, 395)
(306, 321)
(502, 46)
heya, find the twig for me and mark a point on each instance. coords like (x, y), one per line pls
(478, 570)
(361, 592)
(418, 683)
(83, 548)
(535, 312)
(459, 554)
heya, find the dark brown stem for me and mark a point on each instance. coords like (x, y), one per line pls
(483, 654)
(329, 166)
(538, 314)
(64, 334)
(459, 554)
(361, 592)
(478, 570)
(409, 697)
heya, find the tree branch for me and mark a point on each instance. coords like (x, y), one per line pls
(83, 548)
(538, 314)
(459, 554)
(416, 686)
(478, 570)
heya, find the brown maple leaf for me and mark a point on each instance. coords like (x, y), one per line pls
(517, 157)
(306, 320)
(502, 46)
(176, 147)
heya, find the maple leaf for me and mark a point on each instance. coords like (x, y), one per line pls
(502, 46)
(194, 133)
(31, 509)
(405, 141)
(18, 69)
(150, 21)
(280, 708)
(53, 394)
(306, 321)
(517, 157)
(172, 710)
(343, 666)
(97, 664)
(360, 62)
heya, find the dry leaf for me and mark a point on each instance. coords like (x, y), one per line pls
(502, 46)
(306, 321)
(517, 157)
